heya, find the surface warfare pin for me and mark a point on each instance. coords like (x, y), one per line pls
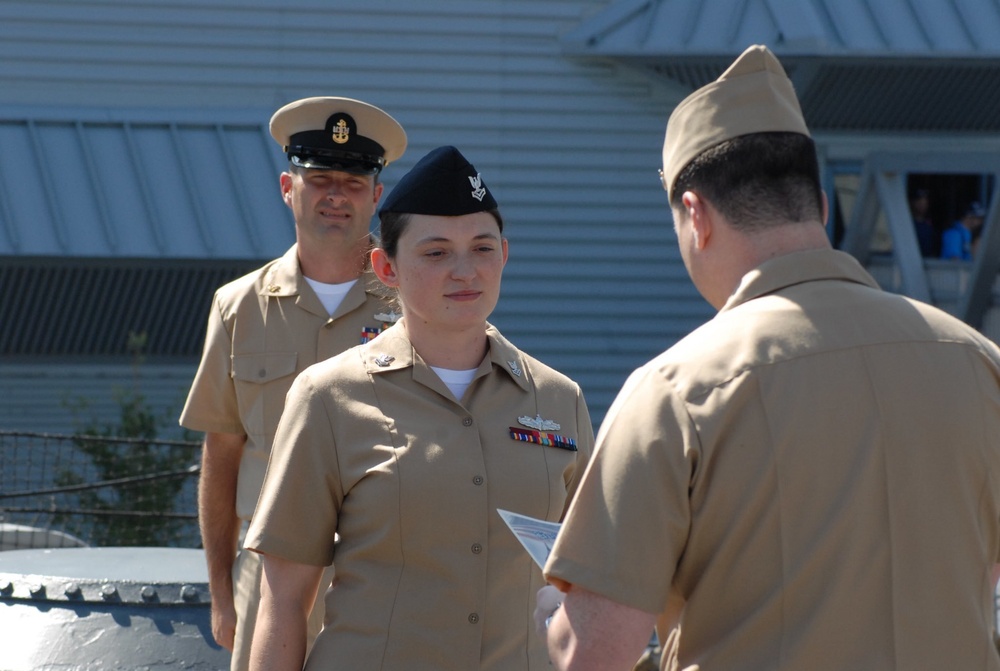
(368, 333)
(539, 423)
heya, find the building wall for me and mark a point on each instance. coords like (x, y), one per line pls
(569, 146)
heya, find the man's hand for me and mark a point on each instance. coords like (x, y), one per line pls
(224, 622)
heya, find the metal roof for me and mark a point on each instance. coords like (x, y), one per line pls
(149, 188)
(899, 65)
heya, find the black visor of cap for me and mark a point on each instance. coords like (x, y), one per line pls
(343, 161)
(315, 149)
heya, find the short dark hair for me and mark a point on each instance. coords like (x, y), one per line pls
(756, 180)
(392, 225)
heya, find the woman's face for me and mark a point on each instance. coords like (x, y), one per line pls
(447, 270)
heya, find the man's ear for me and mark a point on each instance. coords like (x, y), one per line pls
(384, 268)
(701, 218)
(285, 181)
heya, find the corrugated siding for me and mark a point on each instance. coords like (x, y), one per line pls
(86, 187)
(857, 65)
(569, 146)
(923, 29)
(69, 397)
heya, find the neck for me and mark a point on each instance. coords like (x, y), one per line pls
(455, 350)
(333, 266)
(748, 251)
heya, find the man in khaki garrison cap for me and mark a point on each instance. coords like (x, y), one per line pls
(810, 480)
(316, 301)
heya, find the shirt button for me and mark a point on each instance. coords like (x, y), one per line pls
(261, 373)
(478, 480)
(467, 421)
(473, 618)
(476, 548)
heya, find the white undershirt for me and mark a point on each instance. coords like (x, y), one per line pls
(331, 295)
(456, 380)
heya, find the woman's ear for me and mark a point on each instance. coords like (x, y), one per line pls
(384, 268)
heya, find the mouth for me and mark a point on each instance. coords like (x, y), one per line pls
(338, 215)
(468, 295)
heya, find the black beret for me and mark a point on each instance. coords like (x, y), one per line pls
(443, 183)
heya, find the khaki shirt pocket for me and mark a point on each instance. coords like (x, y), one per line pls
(261, 381)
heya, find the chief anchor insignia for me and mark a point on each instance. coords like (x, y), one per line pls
(383, 360)
(477, 187)
(514, 368)
(341, 132)
(538, 423)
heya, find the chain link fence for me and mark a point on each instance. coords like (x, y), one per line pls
(70, 490)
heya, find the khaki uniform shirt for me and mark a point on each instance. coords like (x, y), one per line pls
(374, 447)
(816, 471)
(263, 329)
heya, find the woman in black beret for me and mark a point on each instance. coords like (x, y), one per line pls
(404, 448)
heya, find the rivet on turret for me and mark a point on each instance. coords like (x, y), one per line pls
(148, 593)
(109, 592)
(189, 593)
(72, 590)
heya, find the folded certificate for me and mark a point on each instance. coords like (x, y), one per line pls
(537, 536)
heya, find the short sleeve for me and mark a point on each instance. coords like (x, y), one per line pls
(211, 403)
(628, 523)
(297, 512)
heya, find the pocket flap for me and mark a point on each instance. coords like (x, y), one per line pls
(261, 368)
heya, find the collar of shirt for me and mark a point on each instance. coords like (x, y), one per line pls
(285, 278)
(797, 268)
(392, 351)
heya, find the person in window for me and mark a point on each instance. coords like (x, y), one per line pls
(958, 241)
(925, 228)
(404, 448)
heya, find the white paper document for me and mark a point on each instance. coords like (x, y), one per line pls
(537, 536)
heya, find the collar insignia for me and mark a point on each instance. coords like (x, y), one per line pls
(383, 360)
(514, 368)
(539, 423)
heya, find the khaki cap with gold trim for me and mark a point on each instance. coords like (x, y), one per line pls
(754, 95)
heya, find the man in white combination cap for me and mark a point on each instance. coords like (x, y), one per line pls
(810, 480)
(316, 301)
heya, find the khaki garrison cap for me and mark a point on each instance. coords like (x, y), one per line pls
(331, 133)
(753, 96)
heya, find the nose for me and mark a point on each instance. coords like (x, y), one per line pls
(464, 268)
(335, 194)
